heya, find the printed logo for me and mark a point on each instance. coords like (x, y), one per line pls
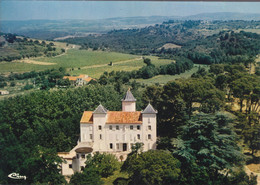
(16, 176)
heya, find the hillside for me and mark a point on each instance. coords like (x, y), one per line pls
(189, 36)
(51, 29)
(16, 48)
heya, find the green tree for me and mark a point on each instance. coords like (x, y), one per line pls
(12, 84)
(89, 176)
(106, 164)
(42, 167)
(154, 167)
(209, 144)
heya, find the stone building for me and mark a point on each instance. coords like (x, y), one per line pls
(113, 132)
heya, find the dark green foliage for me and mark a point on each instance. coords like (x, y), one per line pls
(240, 177)
(41, 166)
(106, 164)
(12, 84)
(175, 102)
(153, 167)
(3, 84)
(89, 176)
(121, 181)
(49, 120)
(28, 87)
(208, 143)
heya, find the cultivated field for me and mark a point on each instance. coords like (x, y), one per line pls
(73, 58)
(93, 63)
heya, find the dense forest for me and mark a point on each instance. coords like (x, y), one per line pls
(225, 47)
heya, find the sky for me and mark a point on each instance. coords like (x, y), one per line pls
(58, 10)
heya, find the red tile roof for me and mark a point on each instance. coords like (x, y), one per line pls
(71, 78)
(115, 117)
(88, 79)
(74, 78)
(87, 117)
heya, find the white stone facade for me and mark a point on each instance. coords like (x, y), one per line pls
(113, 132)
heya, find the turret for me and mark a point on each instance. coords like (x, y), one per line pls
(149, 127)
(128, 102)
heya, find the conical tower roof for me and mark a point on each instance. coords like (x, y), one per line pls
(129, 96)
(149, 110)
(100, 110)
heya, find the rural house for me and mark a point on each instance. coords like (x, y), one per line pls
(113, 132)
(79, 80)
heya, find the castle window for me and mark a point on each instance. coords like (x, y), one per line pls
(131, 127)
(111, 145)
(149, 127)
(138, 127)
(82, 168)
(110, 127)
(77, 156)
(99, 127)
(90, 136)
(149, 136)
(70, 165)
(117, 127)
(100, 136)
(117, 146)
(83, 156)
(138, 136)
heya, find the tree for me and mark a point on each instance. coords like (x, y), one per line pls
(147, 61)
(209, 144)
(42, 167)
(106, 164)
(241, 88)
(89, 176)
(12, 84)
(154, 167)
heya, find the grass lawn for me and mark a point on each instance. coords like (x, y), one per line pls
(163, 79)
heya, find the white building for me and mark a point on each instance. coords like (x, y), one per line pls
(3, 92)
(112, 131)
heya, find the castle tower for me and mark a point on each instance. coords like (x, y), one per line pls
(149, 127)
(128, 102)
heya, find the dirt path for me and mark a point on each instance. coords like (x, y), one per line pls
(29, 61)
(248, 171)
(114, 63)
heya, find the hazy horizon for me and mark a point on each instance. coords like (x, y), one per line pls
(93, 10)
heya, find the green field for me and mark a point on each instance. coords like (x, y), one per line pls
(72, 59)
(93, 63)
(126, 65)
(163, 79)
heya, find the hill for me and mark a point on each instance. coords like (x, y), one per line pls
(224, 16)
(182, 33)
(51, 29)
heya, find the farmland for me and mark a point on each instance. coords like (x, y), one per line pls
(77, 62)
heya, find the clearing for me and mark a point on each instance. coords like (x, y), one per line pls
(170, 46)
(163, 79)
